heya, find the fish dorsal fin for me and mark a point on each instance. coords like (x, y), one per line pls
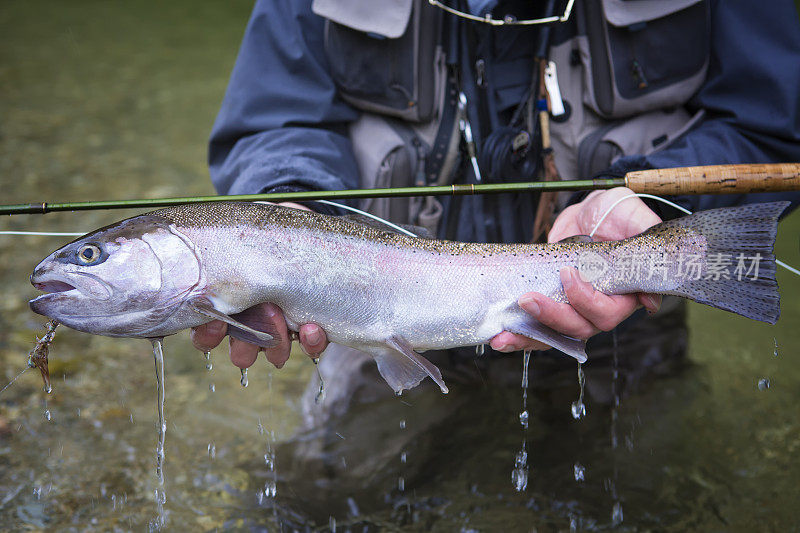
(401, 345)
(576, 239)
(419, 231)
(248, 326)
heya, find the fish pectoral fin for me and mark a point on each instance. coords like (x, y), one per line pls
(534, 330)
(248, 326)
(404, 361)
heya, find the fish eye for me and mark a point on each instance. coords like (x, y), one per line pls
(89, 254)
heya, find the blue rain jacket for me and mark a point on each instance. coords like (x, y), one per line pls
(282, 127)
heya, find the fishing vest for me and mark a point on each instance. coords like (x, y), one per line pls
(624, 78)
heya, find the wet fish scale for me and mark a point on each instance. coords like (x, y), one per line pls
(385, 293)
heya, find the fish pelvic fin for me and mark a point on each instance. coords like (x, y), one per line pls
(248, 326)
(402, 367)
(532, 329)
(732, 234)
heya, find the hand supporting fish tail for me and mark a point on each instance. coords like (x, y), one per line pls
(589, 311)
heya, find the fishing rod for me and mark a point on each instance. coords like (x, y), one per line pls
(715, 179)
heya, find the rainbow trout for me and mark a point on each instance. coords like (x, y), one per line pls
(387, 294)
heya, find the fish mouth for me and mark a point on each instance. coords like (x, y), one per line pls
(54, 286)
(61, 300)
(55, 291)
(84, 284)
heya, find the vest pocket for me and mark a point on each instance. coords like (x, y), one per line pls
(645, 54)
(389, 154)
(382, 55)
(643, 135)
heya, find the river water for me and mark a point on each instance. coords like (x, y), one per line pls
(115, 100)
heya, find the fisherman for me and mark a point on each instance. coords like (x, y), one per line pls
(341, 94)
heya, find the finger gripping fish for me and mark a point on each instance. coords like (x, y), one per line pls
(387, 294)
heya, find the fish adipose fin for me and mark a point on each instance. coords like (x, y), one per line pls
(748, 233)
(539, 332)
(403, 368)
(248, 326)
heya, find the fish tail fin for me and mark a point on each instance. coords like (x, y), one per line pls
(739, 270)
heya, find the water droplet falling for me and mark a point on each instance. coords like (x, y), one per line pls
(47, 414)
(403, 424)
(775, 353)
(243, 381)
(332, 524)
(403, 457)
(209, 365)
(523, 419)
(763, 384)
(523, 416)
(158, 356)
(578, 410)
(480, 349)
(401, 484)
(353, 506)
(519, 476)
(578, 407)
(579, 471)
(270, 489)
(212, 387)
(320, 397)
(526, 358)
(616, 514)
(158, 523)
(212, 450)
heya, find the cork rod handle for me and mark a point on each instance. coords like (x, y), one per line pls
(716, 179)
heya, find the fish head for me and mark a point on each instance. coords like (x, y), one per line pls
(122, 280)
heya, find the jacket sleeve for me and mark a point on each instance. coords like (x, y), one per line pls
(281, 125)
(751, 97)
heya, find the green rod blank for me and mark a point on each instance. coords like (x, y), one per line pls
(438, 190)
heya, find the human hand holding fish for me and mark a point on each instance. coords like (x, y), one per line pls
(587, 311)
(311, 337)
